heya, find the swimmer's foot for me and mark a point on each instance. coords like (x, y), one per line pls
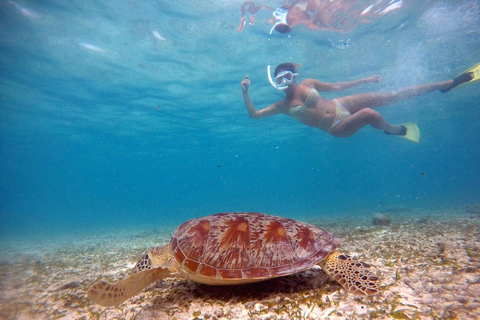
(401, 131)
(463, 78)
(407, 131)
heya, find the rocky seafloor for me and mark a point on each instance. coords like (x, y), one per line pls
(429, 264)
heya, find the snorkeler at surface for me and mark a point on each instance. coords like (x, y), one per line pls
(340, 15)
(343, 116)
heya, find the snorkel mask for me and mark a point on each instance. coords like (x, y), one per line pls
(280, 15)
(282, 80)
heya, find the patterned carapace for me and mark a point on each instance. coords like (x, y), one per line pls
(249, 246)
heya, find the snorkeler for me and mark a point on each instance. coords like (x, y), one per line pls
(341, 15)
(343, 116)
(285, 17)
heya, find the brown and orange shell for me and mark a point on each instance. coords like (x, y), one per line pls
(230, 248)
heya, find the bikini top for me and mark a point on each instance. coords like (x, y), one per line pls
(312, 97)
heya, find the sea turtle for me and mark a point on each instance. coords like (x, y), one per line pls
(238, 248)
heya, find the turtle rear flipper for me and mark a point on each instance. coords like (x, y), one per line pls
(107, 295)
(354, 275)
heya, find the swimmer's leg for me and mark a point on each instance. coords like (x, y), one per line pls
(461, 79)
(351, 124)
(241, 25)
(357, 102)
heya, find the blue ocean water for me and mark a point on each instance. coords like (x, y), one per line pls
(129, 114)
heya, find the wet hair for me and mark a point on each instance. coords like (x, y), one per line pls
(286, 66)
(283, 28)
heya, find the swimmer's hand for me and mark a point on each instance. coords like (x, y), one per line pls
(373, 79)
(245, 84)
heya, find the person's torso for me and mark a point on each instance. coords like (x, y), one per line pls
(307, 106)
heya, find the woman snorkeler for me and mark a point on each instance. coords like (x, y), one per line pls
(339, 15)
(343, 116)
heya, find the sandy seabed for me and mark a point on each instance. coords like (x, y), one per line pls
(429, 264)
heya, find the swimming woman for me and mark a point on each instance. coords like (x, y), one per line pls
(339, 15)
(343, 116)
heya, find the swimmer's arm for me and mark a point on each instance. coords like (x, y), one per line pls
(325, 86)
(269, 111)
(252, 112)
(263, 113)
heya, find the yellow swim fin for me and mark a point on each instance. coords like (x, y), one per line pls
(409, 131)
(468, 76)
(413, 133)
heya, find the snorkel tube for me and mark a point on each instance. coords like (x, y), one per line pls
(281, 25)
(276, 86)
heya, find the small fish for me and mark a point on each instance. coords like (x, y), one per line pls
(90, 46)
(158, 36)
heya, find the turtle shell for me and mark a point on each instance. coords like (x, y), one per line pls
(232, 248)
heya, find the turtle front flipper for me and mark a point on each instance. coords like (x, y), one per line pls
(107, 295)
(354, 275)
(155, 257)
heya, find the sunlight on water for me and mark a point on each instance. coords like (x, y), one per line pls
(444, 21)
(145, 96)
